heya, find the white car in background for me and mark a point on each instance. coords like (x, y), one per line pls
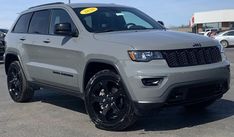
(226, 38)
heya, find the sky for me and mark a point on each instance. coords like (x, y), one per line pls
(171, 12)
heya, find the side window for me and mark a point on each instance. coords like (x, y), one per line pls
(231, 33)
(40, 22)
(225, 34)
(22, 24)
(60, 16)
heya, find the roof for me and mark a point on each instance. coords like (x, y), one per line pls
(226, 15)
(76, 5)
(72, 5)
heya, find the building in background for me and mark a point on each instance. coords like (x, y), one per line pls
(220, 20)
(182, 28)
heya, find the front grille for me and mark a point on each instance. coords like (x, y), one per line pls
(192, 57)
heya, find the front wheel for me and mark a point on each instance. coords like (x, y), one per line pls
(107, 102)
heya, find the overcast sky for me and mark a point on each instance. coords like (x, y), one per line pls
(172, 12)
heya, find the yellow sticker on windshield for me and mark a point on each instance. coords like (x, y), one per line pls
(88, 11)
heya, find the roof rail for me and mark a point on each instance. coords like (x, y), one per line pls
(47, 4)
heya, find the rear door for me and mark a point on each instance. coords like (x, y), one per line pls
(33, 50)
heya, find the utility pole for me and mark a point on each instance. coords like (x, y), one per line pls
(69, 1)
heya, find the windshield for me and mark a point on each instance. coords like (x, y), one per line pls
(106, 19)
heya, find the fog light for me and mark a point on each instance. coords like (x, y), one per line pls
(151, 81)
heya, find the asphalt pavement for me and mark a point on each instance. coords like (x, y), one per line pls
(53, 114)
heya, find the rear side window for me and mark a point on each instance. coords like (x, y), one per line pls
(22, 24)
(40, 22)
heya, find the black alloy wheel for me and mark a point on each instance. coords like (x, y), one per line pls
(107, 102)
(18, 88)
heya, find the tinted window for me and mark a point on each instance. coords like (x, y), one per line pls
(40, 22)
(60, 16)
(22, 23)
(105, 19)
(231, 33)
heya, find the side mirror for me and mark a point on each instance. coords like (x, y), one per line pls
(161, 23)
(64, 29)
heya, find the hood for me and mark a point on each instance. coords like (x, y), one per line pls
(155, 39)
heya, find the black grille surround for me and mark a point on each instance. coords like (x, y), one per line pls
(192, 56)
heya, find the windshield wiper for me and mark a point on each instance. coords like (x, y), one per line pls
(103, 31)
(108, 30)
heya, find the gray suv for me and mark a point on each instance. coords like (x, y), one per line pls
(120, 61)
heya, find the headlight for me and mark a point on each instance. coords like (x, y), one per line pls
(144, 56)
(221, 48)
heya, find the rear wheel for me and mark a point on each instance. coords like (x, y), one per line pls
(107, 102)
(224, 43)
(18, 87)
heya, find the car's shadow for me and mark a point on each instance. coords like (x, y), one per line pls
(168, 119)
(230, 46)
(178, 117)
(61, 100)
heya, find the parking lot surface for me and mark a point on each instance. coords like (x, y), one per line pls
(53, 114)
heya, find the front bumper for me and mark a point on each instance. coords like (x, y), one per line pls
(150, 97)
(186, 94)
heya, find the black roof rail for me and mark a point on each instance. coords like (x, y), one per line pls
(47, 4)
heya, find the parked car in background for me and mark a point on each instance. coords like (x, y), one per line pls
(212, 29)
(226, 38)
(2, 42)
(3, 33)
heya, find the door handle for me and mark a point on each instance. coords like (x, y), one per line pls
(46, 41)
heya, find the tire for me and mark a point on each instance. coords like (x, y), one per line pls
(199, 106)
(107, 102)
(18, 87)
(224, 43)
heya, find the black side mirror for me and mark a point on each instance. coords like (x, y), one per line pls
(64, 29)
(161, 23)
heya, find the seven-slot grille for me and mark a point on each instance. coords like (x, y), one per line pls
(192, 57)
